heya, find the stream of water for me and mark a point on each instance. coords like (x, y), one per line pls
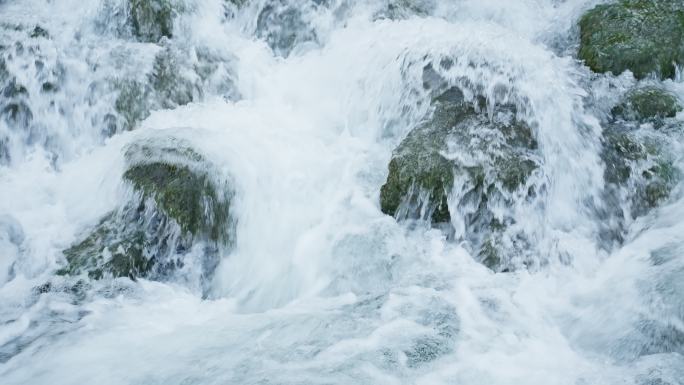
(301, 114)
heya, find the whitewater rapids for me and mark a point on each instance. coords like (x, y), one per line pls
(322, 287)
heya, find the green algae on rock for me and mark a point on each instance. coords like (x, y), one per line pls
(166, 86)
(152, 19)
(176, 206)
(283, 25)
(185, 195)
(172, 89)
(110, 249)
(420, 171)
(403, 9)
(495, 158)
(639, 164)
(643, 36)
(132, 103)
(647, 103)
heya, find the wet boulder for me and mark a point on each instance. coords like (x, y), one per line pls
(642, 36)
(403, 9)
(178, 215)
(171, 83)
(153, 19)
(172, 86)
(650, 103)
(463, 163)
(14, 107)
(11, 240)
(639, 168)
(132, 103)
(284, 25)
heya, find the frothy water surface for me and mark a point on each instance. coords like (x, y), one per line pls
(300, 111)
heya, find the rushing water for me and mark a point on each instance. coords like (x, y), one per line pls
(301, 113)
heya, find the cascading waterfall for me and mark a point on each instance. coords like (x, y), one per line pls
(195, 192)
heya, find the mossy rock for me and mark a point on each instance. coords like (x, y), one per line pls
(494, 159)
(109, 250)
(403, 9)
(171, 88)
(621, 148)
(176, 206)
(647, 103)
(639, 164)
(643, 36)
(177, 178)
(489, 254)
(283, 26)
(152, 19)
(132, 103)
(184, 194)
(659, 181)
(419, 172)
(425, 176)
(166, 86)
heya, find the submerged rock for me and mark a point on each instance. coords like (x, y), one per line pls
(172, 88)
(133, 102)
(176, 207)
(647, 103)
(153, 19)
(640, 168)
(283, 25)
(39, 32)
(14, 107)
(643, 36)
(483, 162)
(402, 9)
(171, 83)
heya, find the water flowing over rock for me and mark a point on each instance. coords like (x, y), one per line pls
(493, 158)
(282, 25)
(175, 207)
(342, 192)
(114, 91)
(153, 19)
(648, 103)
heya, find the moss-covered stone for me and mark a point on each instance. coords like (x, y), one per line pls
(514, 171)
(490, 254)
(282, 25)
(647, 103)
(419, 172)
(152, 19)
(460, 151)
(428, 176)
(185, 195)
(166, 86)
(171, 88)
(639, 166)
(621, 148)
(402, 9)
(643, 36)
(133, 102)
(177, 205)
(109, 250)
(659, 180)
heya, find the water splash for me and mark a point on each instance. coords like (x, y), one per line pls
(300, 104)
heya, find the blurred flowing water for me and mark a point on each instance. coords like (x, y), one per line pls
(300, 104)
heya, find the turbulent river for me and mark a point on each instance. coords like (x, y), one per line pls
(299, 105)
